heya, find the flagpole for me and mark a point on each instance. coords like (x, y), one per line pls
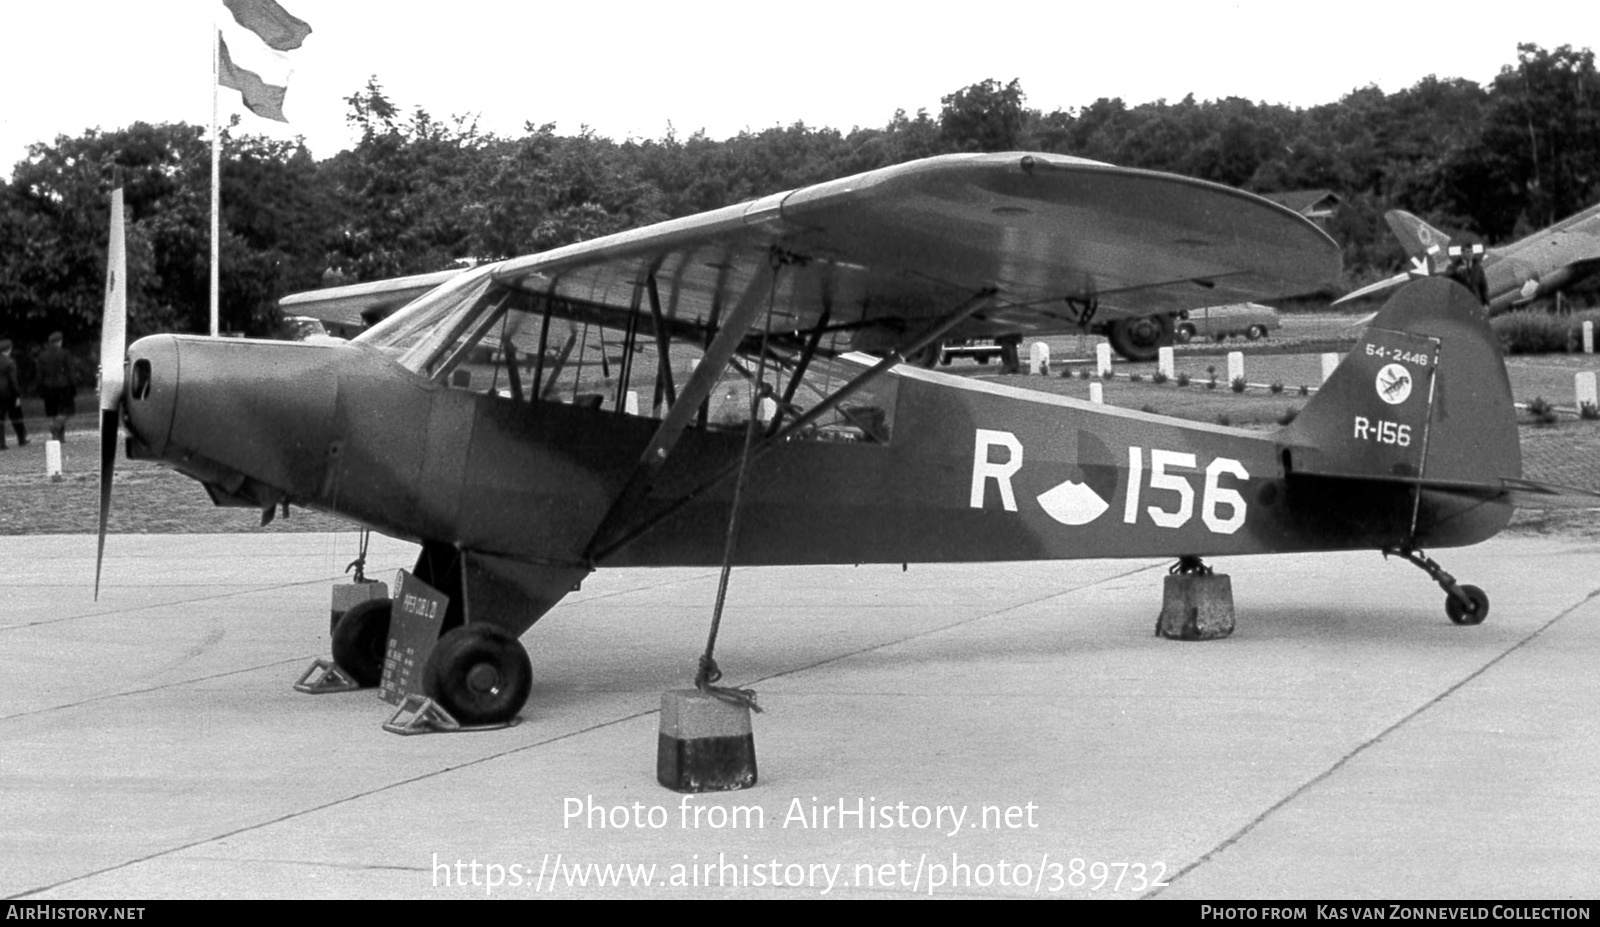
(216, 169)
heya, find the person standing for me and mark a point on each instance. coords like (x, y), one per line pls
(57, 387)
(10, 396)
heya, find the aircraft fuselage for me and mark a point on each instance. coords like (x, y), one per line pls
(961, 471)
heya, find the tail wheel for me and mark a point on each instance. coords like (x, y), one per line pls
(480, 674)
(1460, 613)
(1140, 338)
(361, 640)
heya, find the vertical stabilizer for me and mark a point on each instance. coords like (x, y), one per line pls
(1423, 395)
(1417, 237)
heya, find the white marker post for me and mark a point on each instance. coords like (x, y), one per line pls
(1097, 391)
(52, 456)
(631, 404)
(1235, 366)
(1102, 359)
(1584, 386)
(1588, 337)
(1164, 361)
(1329, 362)
(1039, 359)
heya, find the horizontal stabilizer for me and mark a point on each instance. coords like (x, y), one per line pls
(1519, 491)
(1550, 495)
(1372, 288)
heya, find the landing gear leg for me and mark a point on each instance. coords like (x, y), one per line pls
(1463, 604)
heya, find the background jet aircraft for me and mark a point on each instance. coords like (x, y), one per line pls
(1540, 265)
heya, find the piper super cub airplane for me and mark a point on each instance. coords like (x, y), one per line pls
(486, 418)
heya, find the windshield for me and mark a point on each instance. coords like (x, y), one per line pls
(431, 317)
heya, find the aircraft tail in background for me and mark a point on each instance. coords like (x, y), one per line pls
(1417, 237)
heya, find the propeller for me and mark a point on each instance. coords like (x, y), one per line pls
(113, 349)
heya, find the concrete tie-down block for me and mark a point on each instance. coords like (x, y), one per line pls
(706, 743)
(1196, 607)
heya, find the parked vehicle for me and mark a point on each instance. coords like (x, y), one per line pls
(979, 349)
(1251, 320)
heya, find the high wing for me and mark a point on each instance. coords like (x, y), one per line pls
(1045, 241)
(362, 304)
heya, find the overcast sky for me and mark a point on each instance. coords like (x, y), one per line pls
(629, 69)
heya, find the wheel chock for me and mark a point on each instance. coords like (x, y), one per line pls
(1196, 607)
(706, 744)
(324, 676)
(419, 714)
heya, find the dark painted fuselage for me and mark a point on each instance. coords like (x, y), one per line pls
(961, 470)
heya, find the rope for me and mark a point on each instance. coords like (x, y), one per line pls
(709, 673)
(360, 563)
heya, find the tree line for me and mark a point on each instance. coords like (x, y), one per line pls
(416, 193)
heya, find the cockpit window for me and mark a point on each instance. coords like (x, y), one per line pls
(476, 334)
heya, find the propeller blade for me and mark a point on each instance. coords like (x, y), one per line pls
(113, 350)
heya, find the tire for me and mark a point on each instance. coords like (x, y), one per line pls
(1256, 332)
(1009, 360)
(480, 674)
(1140, 338)
(928, 357)
(1459, 613)
(1184, 334)
(361, 640)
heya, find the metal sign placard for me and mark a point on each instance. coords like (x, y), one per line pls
(413, 631)
(1389, 421)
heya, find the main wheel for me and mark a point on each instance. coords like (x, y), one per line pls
(1140, 338)
(1463, 615)
(361, 640)
(480, 674)
(927, 357)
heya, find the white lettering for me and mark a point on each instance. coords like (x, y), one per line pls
(1130, 506)
(1216, 495)
(1160, 479)
(1001, 473)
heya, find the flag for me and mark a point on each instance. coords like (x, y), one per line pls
(271, 22)
(256, 64)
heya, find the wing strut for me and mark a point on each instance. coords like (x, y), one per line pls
(614, 533)
(663, 358)
(719, 352)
